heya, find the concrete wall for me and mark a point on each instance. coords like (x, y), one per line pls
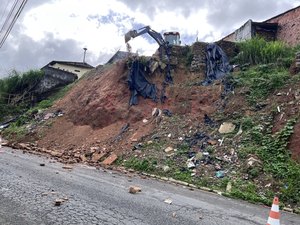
(54, 78)
(289, 26)
(244, 32)
(73, 69)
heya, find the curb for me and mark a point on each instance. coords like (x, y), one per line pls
(174, 181)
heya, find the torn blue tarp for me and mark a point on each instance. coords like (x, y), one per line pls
(139, 85)
(217, 64)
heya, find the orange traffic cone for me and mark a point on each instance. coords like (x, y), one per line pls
(274, 213)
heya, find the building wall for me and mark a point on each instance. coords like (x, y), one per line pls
(77, 70)
(289, 26)
(244, 32)
(54, 78)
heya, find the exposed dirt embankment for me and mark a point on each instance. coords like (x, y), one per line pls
(97, 108)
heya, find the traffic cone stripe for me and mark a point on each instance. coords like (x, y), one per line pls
(272, 221)
(275, 208)
(274, 213)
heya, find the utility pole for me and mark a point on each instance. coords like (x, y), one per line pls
(84, 54)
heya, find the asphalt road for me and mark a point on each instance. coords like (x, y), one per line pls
(95, 196)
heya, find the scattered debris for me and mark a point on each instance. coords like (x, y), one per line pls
(134, 189)
(58, 202)
(220, 174)
(228, 187)
(122, 131)
(110, 160)
(67, 167)
(42, 164)
(169, 149)
(166, 168)
(226, 128)
(168, 201)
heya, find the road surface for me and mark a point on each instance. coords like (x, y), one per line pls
(28, 192)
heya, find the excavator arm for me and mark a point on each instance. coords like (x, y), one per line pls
(156, 36)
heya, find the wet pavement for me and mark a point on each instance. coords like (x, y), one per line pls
(30, 185)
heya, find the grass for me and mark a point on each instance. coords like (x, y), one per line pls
(17, 130)
(261, 81)
(259, 51)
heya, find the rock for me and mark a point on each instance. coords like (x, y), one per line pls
(169, 135)
(134, 189)
(110, 160)
(23, 146)
(67, 167)
(94, 149)
(226, 128)
(253, 161)
(168, 201)
(83, 158)
(98, 156)
(228, 187)
(156, 112)
(42, 164)
(169, 149)
(48, 116)
(134, 137)
(212, 142)
(58, 202)
(217, 166)
(166, 168)
(145, 121)
(287, 209)
(56, 154)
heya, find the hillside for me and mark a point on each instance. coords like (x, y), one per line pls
(231, 134)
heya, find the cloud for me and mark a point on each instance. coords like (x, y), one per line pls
(235, 13)
(59, 29)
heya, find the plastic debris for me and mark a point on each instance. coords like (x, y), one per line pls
(168, 201)
(217, 64)
(220, 174)
(134, 189)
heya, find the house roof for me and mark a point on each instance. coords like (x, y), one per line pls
(119, 55)
(76, 64)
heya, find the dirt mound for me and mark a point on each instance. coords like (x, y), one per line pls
(97, 108)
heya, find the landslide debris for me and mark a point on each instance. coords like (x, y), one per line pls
(215, 136)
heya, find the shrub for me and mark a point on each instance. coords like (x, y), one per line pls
(259, 51)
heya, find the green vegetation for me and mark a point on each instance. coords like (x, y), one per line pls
(51, 99)
(17, 129)
(15, 92)
(146, 165)
(259, 51)
(276, 163)
(262, 80)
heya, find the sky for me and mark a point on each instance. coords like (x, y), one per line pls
(50, 30)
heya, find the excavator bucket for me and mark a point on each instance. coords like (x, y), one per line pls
(129, 35)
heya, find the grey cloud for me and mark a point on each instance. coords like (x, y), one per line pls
(23, 53)
(151, 7)
(234, 13)
(223, 15)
